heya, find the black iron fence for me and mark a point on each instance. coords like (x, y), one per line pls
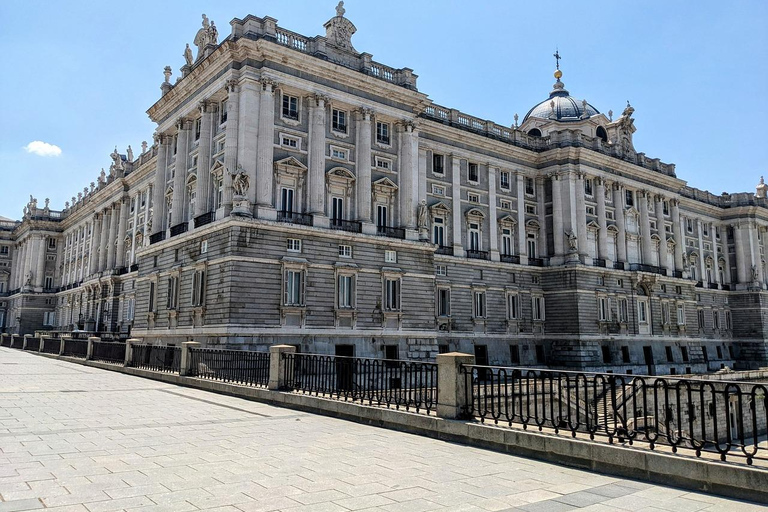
(156, 358)
(33, 344)
(237, 366)
(5, 341)
(108, 352)
(382, 382)
(722, 417)
(75, 348)
(52, 346)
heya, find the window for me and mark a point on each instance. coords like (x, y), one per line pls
(684, 353)
(438, 164)
(504, 180)
(529, 190)
(665, 313)
(223, 112)
(588, 187)
(606, 350)
(531, 241)
(715, 319)
(530, 209)
(293, 245)
(680, 314)
(338, 153)
(604, 309)
(609, 215)
(392, 294)
(438, 191)
(642, 311)
(48, 282)
(701, 318)
(689, 225)
(473, 198)
(390, 256)
(629, 198)
(623, 310)
(4, 250)
(538, 308)
(506, 241)
(441, 270)
(514, 354)
(670, 357)
(620, 283)
(505, 205)
(198, 288)
(289, 142)
(381, 216)
(438, 231)
(474, 236)
(131, 309)
(345, 289)
(286, 199)
(49, 318)
(540, 358)
(173, 290)
(535, 279)
(203, 246)
(443, 302)
(339, 120)
(705, 229)
(472, 173)
(51, 243)
(383, 163)
(152, 290)
(665, 207)
(590, 210)
(337, 208)
(294, 287)
(728, 320)
(625, 354)
(198, 126)
(382, 133)
(478, 310)
(218, 184)
(513, 306)
(345, 251)
(290, 107)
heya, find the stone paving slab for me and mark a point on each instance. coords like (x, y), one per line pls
(80, 439)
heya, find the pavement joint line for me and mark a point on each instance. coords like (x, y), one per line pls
(211, 402)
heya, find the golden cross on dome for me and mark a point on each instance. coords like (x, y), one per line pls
(557, 58)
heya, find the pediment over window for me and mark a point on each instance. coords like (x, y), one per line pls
(671, 241)
(385, 183)
(439, 207)
(169, 190)
(532, 224)
(340, 173)
(632, 211)
(290, 164)
(475, 212)
(655, 238)
(508, 220)
(593, 226)
(217, 167)
(192, 178)
(613, 229)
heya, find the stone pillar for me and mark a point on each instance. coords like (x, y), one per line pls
(61, 345)
(105, 222)
(316, 156)
(363, 166)
(756, 259)
(248, 144)
(581, 216)
(743, 271)
(716, 270)
(452, 384)
(203, 190)
(230, 143)
(409, 174)
(94, 241)
(493, 224)
(726, 255)
(111, 238)
(28, 250)
(158, 191)
(121, 228)
(129, 349)
(186, 360)
(26, 340)
(277, 366)
(557, 214)
(543, 245)
(43, 340)
(265, 159)
(458, 248)
(702, 264)
(179, 201)
(645, 227)
(677, 232)
(602, 235)
(89, 350)
(522, 249)
(621, 238)
(660, 229)
(42, 249)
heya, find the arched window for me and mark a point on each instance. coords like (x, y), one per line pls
(534, 132)
(601, 133)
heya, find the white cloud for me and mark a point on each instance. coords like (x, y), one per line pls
(41, 148)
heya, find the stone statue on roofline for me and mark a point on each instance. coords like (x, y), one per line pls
(188, 55)
(206, 35)
(129, 152)
(339, 30)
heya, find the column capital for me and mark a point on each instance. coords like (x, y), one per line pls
(208, 106)
(268, 84)
(364, 113)
(317, 100)
(183, 123)
(231, 85)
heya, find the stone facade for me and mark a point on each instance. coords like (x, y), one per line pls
(299, 192)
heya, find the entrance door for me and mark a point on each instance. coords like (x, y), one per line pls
(481, 359)
(648, 353)
(345, 368)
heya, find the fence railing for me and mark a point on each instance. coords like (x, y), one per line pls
(51, 346)
(723, 417)
(108, 352)
(5, 341)
(155, 358)
(75, 348)
(33, 345)
(237, 366)
(382, 382)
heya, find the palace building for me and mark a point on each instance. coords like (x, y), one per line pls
(299, 192)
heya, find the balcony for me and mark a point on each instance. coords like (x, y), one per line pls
(477, 255)
(445, 250)
(303, 219)
(618, 265)
(204, 219)
(134, 267)
(157, 237)
(391, 232)
(536, 262)
(641, 267)
(351, 226)
(120, 271)
(510, 258)
(725, 287)
(597, 262)
(179, 228)
(677, 273)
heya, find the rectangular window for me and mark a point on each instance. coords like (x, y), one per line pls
(505, 205)
(588, 187)
(474, 236)
(606, 353)
(48, 282)
(198, 288)
(684, 353)
(665, 207)
(337, 208)
(294, 288)
(438, 231)
(513, 306)
(438, 191)
(478, 311)
(438, 164)
(152, 291)
(529, 189)
(381, 216)
(716, 319)
(629, 198)
(4, 250)
(609, 215)
(441, 270)
(390, 256)
(530, 209)
(173, 290)
(506, 241)
(346, 291)
(472, 173)
(590, 210)
(293, 245)
(289, 142)
(538, 308)
(345, 251)
(223, 112)
(339, 120)
(286, 199)
(198, 127)
(473, 198)
(625, 354)
(383, 163)
(689, 225)
(382, 133)
(514, 354)
(701, 318)
(665, 313)
(623, 310)
(728, 320)
(290, 107)
(392, 294)
(604, 309)
(504, 180)
(444, 302)
(540, 357)
(203, 246)
(340, 154)
(131, 310)
(670, 357)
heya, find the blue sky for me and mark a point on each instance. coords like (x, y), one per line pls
(81, 75)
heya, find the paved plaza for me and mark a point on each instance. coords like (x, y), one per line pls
(75, 438)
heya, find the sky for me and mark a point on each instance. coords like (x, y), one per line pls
(79, 76)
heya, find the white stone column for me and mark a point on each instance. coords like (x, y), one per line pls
(409, 174)
(581, 216)
(105, 221)
(231, 143)
(756, 259)
(677, 232)
(203, 190)
(179, 201)
(456, 208)
(662, 232)
(121, 228)
(248, 145)
(135, 230)
(265, 159)
(493, 227)
(602, 235)
(158, 196)
(702, 264)
(726, 255)
(112, 237)
(93, 248)
(40, 267)
(542, 245)
(317, 157)
(522, 249)
(363, 166)
(645, 227)
(621, 237)
(743, 258)
(557, 214)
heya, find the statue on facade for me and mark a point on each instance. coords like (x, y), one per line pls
(117, 161)
(129, 152)
(66, 205)
(421, 220)
(143, 147)
(573, 241)
(754, 273)
(28, 279)
(208, 34)
(47, 203)
(102, 176)
(188, 55)
(240, 182)
(93, 187)
(213, 34)
(150, 217)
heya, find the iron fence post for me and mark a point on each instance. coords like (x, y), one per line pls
(452, 398)
(277, 374)
(89, 351)
(185, 359)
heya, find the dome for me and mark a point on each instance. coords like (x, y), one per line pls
(560, 106)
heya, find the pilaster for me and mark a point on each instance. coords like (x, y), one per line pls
(363, 166)
(265, 155)
(317, 156)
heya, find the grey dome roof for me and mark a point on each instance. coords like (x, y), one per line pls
(566, 108)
